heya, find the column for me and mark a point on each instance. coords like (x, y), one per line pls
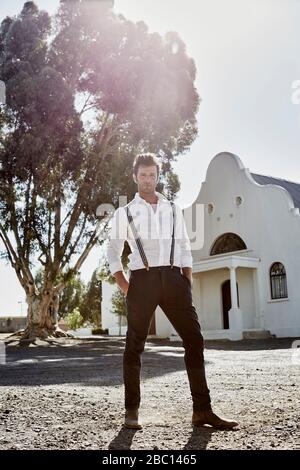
(233, 291)
(235, 313)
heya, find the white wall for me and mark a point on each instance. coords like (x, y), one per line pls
(244, 278)
(163, 326)
(270, 227)
(109, 319)
(210, 310)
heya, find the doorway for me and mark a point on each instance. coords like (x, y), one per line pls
(226, 302)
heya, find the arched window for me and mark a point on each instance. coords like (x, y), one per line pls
(278, 281)
(226, 243)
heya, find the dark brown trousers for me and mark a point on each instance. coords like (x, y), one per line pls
(171, 290)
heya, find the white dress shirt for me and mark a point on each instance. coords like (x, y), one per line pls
(155, 230)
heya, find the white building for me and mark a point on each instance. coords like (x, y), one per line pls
(245, 277)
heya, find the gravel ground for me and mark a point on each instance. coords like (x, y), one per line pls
(68, 394)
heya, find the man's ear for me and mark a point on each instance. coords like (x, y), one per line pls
(134, 178)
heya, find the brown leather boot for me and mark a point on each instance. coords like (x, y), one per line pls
(200, 418)
(132, 419)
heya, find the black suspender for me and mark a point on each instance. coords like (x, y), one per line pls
(137, 238)
(173, 235)
(139, 242)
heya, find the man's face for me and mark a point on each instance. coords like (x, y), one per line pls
(146, 178)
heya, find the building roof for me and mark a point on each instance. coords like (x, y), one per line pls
(292, 188)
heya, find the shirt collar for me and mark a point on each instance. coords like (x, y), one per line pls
(161, 197)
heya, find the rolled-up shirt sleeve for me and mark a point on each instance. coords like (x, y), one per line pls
(118, 236)
(186, 258)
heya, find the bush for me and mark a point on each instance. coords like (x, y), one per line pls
(74, 320)
(99, 331)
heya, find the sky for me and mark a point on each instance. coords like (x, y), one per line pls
(247, 54)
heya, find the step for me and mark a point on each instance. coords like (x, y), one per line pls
(257, 334)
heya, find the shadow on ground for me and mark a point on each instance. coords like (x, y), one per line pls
(99, 361)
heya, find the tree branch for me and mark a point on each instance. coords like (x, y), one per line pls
(73, 247)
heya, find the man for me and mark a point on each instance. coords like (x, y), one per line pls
(160, 266)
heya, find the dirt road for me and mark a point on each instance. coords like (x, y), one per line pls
(69, 395)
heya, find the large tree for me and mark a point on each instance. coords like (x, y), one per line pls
(85, 91)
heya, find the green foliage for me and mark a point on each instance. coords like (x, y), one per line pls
(119, 303)
(71, 297)
(172, 186)
(74, 320)
(91, 301)
(99, 331)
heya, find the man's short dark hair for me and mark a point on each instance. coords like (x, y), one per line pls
(146, 159)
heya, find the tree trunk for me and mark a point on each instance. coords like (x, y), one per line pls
(42, 316)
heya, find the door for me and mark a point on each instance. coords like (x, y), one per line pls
(226, 302)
